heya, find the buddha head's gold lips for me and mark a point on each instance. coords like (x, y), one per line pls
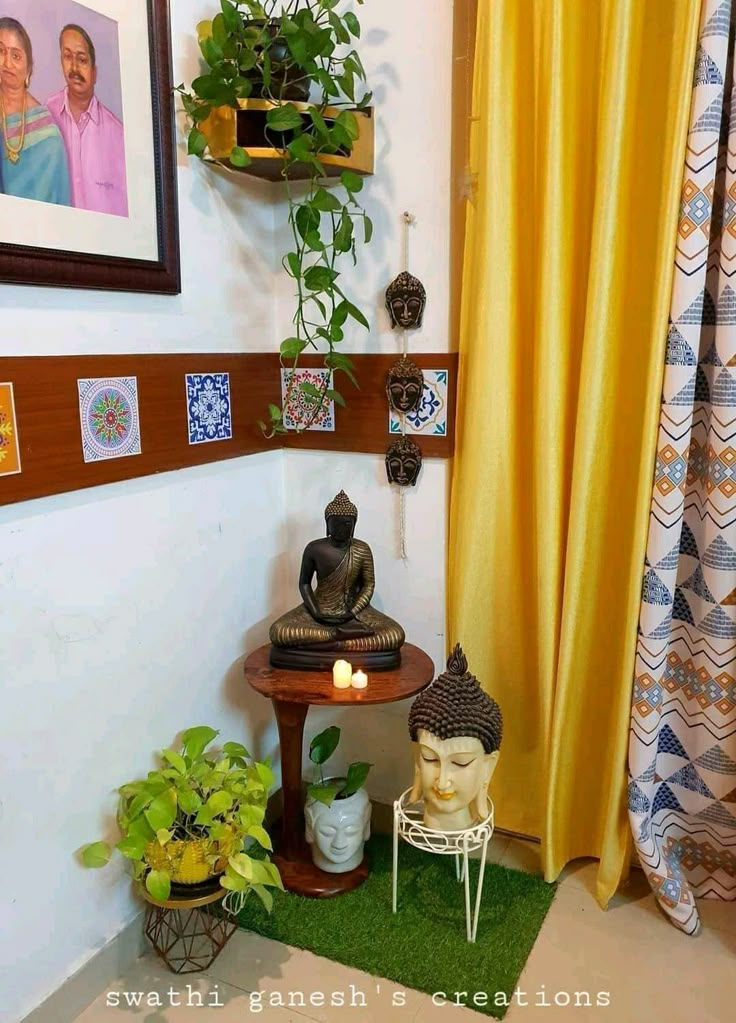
(443, 795)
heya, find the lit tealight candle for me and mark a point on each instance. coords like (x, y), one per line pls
(360, 680)
(342, 674)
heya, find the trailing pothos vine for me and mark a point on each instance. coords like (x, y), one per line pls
(283, 51)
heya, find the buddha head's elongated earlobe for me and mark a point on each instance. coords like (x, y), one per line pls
(480, 806)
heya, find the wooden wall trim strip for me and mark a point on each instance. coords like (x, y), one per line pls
(47, 414)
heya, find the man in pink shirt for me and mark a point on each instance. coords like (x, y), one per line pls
(92, 134)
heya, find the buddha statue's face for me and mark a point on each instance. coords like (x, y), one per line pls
(405, 386)
(405, 301)
(403, 463)
(452, 777)
(340, 528)
(339, 831)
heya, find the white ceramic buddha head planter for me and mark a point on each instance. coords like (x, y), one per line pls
(456, 729)
(338, 832)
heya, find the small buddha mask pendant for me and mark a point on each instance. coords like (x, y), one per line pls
(403, 462)
(405, 301)
(405, 385)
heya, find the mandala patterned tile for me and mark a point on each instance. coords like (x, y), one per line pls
(431, 416)
(297, 408)
(9, 451)
(108, 409)
(208, 407)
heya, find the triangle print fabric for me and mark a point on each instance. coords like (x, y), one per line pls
(682, 752)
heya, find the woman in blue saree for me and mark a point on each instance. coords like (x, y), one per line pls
(33, 162)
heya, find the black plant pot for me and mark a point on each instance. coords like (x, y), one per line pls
(287, 83)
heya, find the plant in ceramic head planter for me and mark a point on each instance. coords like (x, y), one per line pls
(456, 729)
(337, 811)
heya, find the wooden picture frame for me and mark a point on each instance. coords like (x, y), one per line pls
(58, 267)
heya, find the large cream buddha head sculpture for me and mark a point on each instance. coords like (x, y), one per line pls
(456, 729)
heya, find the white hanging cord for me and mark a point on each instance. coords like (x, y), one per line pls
(409, 220)
(402, 527)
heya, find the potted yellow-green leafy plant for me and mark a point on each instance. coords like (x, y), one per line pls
(199, 816)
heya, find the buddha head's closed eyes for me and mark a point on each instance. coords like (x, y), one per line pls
(405, 385)
(456, 728)
(405, 301)
(403, 462)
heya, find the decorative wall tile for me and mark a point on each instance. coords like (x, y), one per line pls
(297, 408)
(431, 416)
(208, 407)
(9, 450)
(108, 410)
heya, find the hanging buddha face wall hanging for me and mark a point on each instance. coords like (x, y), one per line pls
(405, 385)
(403, 462)
(456, 729)
(405, 301)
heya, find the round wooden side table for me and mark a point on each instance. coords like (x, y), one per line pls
(183, 930)
(292, 693)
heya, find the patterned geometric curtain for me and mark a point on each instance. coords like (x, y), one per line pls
(682, 754)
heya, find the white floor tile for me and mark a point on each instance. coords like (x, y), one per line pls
(631, 954)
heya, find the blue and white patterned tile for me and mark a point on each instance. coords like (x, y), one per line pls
(108, 411)
(208, 407)
(297, 408)
(431, 416)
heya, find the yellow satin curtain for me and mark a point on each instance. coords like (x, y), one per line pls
(578, 141)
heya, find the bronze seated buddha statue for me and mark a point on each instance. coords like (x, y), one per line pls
(336, 619)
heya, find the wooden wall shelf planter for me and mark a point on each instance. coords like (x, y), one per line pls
(227, 127)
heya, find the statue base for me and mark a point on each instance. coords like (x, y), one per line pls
(303, 659)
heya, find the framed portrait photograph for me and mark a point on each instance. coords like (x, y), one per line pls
(87, 162)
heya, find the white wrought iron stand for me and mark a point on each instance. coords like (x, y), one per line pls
(409, 825)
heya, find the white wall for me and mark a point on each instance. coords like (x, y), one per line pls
(406, 47)
(126, 609)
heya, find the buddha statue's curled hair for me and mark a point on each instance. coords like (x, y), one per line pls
(341, 505)
(454, 705)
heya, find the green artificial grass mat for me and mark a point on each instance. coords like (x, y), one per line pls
(422, 946)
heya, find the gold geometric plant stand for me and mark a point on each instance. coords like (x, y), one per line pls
(185, 932)
(226, 127)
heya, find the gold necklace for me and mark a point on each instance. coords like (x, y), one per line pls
(14, 154)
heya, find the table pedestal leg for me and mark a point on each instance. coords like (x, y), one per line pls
(293, 856)
(290, 718)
